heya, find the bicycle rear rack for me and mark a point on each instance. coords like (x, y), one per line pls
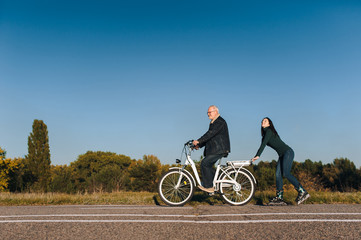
(241, 163)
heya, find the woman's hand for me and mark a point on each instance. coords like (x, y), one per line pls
(255, 158)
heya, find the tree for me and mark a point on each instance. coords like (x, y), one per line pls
(341, 175)
(2, 154)
(100, 171)
(7, 167)
(144, 174)
(61, 176)
(265, 174)
(39, 156)
(309, 174)
(21, 178)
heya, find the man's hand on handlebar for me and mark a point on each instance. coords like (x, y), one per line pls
(255, 158)
(195, 145)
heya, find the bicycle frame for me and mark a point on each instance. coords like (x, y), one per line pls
(219, 170)
(234, 183)
(188, 161)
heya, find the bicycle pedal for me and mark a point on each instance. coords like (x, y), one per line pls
(211, 194)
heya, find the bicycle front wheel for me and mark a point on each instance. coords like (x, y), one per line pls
(239, 193)
(175, 188)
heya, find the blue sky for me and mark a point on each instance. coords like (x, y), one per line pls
(137, 77)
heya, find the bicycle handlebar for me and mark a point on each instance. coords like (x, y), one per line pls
(189, 144)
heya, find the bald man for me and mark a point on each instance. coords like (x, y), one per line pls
(217, 145)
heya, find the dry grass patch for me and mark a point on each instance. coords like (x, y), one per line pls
(137, 198)
(147, 198)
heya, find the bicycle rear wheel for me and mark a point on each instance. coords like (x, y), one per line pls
(175, 188)
(240, 193)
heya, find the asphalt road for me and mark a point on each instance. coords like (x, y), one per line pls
(200, 222)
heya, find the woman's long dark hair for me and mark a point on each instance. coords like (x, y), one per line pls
(272, 127)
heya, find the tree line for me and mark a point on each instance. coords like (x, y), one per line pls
(97, 171)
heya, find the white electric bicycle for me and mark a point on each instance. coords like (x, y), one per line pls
(232, 181)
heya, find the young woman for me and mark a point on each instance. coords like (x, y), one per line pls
(271, 138)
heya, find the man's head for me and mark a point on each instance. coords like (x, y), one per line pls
(213, 112)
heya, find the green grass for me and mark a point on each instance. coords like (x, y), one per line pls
(146, 198)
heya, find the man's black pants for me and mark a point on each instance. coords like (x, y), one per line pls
(207, 169)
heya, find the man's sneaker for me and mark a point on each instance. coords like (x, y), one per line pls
(208, 190)
(302, 196)
(276, 201)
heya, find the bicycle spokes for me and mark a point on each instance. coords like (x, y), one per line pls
(176, 188)
(237, 187)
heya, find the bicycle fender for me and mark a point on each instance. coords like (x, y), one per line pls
(183, 170)
(246, 170)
